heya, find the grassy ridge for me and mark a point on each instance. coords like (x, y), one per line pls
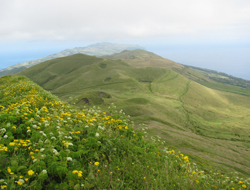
(47, 144)
(216, 80)
(223, 77)
(187, 115)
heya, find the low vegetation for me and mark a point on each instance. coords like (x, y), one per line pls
(47, 144)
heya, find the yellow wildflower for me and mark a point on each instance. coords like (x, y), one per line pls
(8, 169)
(31, 172)
(12, 144)
(185, 159)
(79, 173)
(19, 183)
(96, 163)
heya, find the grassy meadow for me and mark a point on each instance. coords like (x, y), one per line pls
(210, 126)
(48, 144)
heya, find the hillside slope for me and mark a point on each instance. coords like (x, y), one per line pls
(47, 144)
(189, 116)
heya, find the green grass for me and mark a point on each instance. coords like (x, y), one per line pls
(167, 101)
(47, 144)
(216, 80)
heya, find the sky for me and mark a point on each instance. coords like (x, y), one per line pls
(213, 34)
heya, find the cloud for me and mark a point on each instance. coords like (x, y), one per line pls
(112, 19)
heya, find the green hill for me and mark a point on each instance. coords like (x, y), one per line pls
(142, 58)
(47, 144)
(209, 125)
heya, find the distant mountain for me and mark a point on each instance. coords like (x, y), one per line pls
(98, 49)
(11, 71)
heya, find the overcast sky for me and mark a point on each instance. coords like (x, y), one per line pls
(164, 26)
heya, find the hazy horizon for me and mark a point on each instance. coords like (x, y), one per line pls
(231, 60)
(208, 34)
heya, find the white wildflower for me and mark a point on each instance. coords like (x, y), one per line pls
(21, 180)
(69, 159)
(86, 126)
(5, 136)
(97, 135)
(44, 171)
(3, 130)
(34, 160)
(100, 127)
(55, 152)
